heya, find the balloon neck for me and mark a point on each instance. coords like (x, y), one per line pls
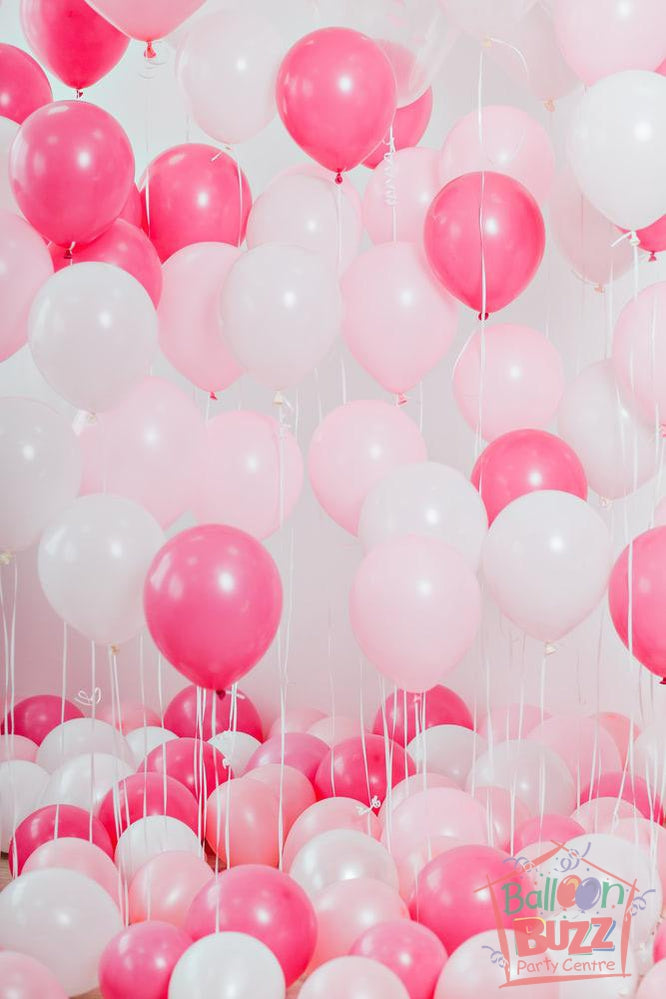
(338, 178)
(400, 399)
(6, 557)
(213, 396)
(599, 288)
(662, 682)
(68, 252)
(652, 257)
(150, 52)
(113, 650)
(549, 104)
(483, 316)
(79, 93)
(549, 648)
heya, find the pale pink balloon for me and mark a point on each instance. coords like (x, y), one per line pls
(190, 332)
(22, 977)
(505, 812)
(330, 813)
(77, 855)
(398, 195)
(132, 715)
(620, 727)
(163, 888)
(653, 986)
(535, 773)
(639, 353)
(600, 815)
(647, 834)
(242, 823)
(149, 837)
(144, 448)
(248, 473)
(411, 785)
(17, 747)
(25, 264)
(346, 909)
(438, 811)
(354, 978)
(585, 746)
(412, 863)
(295, 720)
(332, 729)
(352, 448)
(513, 721)
(288, 785)
(399, 321)
(471, 972)
(503, 139)
(508, 377)
(447, 749)
(340, 855)
(148, 20)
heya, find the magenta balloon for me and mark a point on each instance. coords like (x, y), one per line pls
(72, 40)
(41, 826)
(296, 749)
(71, 146)
(336, 94)
(630, 788)
(22, 977)
(653, 237)
(197, 765)
(638, 618)
(409, 124)
(484, 267)
(411, 951)
(194, 193)
(148, 793)
(138, 961)
(546, 829)
(213, 600)
(23, 84)
(359, 768)
(34, 717)
(219, 713)
(437, 706)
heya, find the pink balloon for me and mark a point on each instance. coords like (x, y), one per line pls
(334, 728)
(148, 20)
(408, 787)
(163, 888)
(72, 40)
(140, 959)
(506, 378)
(17, 747)
(478, 968)
(346, 909)
(297, 749)
(295, 720)
(651, 837)
(336, 94)
(297, 791)
(248, 473)
(198, 765)
(438, 706)
(149, 793)
(194, 193)
(505, 811)
(24, 86)
(545, 829)
(71, 146)
(584, 745)
(486, 269)
(144, 449)
(242, 823)
(189, 327)
(355, 446)
(213, 600)
(24, 267)
(639, 357)
(411, 951)
(133, 210)
(354, 978)
(653, 237)
(523, 461)
(398, 320)
(77, 855)
(34, 717)
(409, 124)
(412, 863)
(600, 815)
(124, 245)
(621, 729)
(628, 787)
(359, 768)
(514, 721)
(22, 977)
(640, 624)
(654, 983)
(399, 194)
(659, 949)
(130, 716)
(329, 813)
(264, 903)
(219, 711)
(415, 608)
(41, 826)
(433, 813)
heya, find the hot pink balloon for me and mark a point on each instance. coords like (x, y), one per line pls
(353, 447)
(128, 716)
(406, 713)
(411, 951)
(72, 40)
(219, 711)
(523, 461)
(291, 787)
(163, 888)
(24, 267)
(199, 766)
(194, 193)
(133, 210)
(409, 124)
(336, 94)
(34, 717)
(23, 977)
(76, 854)
(297, 749)
(147, 793)
(627, 787)
(659, 949)
(24, 86)
(149, 20)
(71, 146)
(546, 829)
(653, 237)
(398, 196)
(638, 618)
(485, 267)
(329, 813)
(346, 909)
(40, 827)
(242, 823)
(213, 600)
(359, 768)
(140, 959)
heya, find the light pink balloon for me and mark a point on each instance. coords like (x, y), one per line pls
(242, 823)
(354, 978)
(144, 449)
(248, 473)
(506, 378)
(295, 720)
(340, 855)
(600, 815)
(438, 811)
(17, 747)
(408, 787)
(653, 985)
(402, 190)
(513, 721)
(335, 728)
(297, 793)
(532, 771)
(412, 863)
(399, 321)
(346, 909)
(132, 716)
(164, 887)
(25, 264)
(647, 834)
(149, 837)
(190, 333)
(471, 972)
(505, 813)
(352, 448)
(21, 977)
(639, 352)
(447, 749)
(584, 745)
(77, 855)
(149, 20)
(504, 139)
(621, 729)
(330, 813)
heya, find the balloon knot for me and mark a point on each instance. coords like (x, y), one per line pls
(483, 316)
(599, 288)
(114, 650)
(549, 104)
(213, 396)
(6, 557)
(338, 178)
(652, 257)
(150, 52)
(662, 682)
(278, 399)
(400, 399)
(79, 93)
(634, 240)
(68, 253)
(549, 649)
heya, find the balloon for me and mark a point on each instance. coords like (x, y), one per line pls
(601, 815)
(546, 828)
(237, 747)
(197, 765)
(508, 378)
(17, 747)
(42, 470)
(505, 811)
(354, 977)
(622, 729)
(248, 473)
(362, 768)
(8, 132)
(306, 211)
(165, 887)
(84, 780)
(128, 716)
(228, 965)
(142, 740)
(81, 735)
(616, 450)
(398, 320)
(412, 952)
(92, 562)
(72, 40)
(280, 310)
(431, 814)
(213, 601)
(194, 193)
(329, 813)
(407, 128)
(346, 909)
(585, 746)
(24, 978)
(150, 836)
(297, 749)
(71, 146)
(144, 449)
(633, 789)
(406, 713)
(608, 36)
(54, 822)
(34, 717)
(75, 854)
(93, 334)
(218, 712)
(21, 787)
(340, 855)
(263, 903)
(295, 720)
(336, 94)
(653, 237)
(400, 189)
(415, 608)
(293, 790)
(189, 327)
(242, 823)
(149, 792)
(430, 500)
(24, 268)
(475, 970)
(447, 749)
(230, 52)
(511, 722)
(23, 84)
(532, 771)
(654, 983)
(486, 17)
(334, 728)
(503, 139)
(133, 210)
(639, 359)
(124, 246)
(617, 146)
(484, 268)
(52, 915)
(636, 608)
(354, 446)
(140, 959)
(659, 951)
(148, 20)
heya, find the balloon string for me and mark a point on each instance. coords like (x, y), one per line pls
(338, 219)
(483, 315)
(390, 191)
(361, 713)
(282, 431)
(93, 705)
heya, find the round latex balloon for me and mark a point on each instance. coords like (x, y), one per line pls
(202, 716)
(639, 358)
(85, 780)
(150, 836)
(243, 823)
(635, 593)
(21, 787)
(24, 268)
(24, 86)
(355, 976)
(229, 964)
(532, 771)
(148, 20)
(81, 735)
(50, 823)
(139, 960)
(164, 887)
(22, 976)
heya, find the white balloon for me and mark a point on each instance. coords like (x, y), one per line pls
(650, 758)
(21, 786)
(92, 564)
(147, 837)
(449, 750)
(227, 966)
(617, 147)
(84, 780)
(142, 740)
(535, 773)
(341, 855)
(80, 736)
(237, 747)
